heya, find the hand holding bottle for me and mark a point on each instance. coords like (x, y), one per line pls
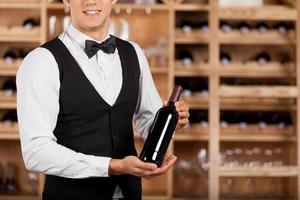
(134, 166)
(183, 113)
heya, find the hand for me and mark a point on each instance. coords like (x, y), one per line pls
(134, 166)
(166, 165)
(183, 112)
(130, 165)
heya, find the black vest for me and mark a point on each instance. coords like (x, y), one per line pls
(87, 124)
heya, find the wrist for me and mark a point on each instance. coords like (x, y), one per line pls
(115, 167)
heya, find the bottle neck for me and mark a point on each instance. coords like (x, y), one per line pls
(171, 103)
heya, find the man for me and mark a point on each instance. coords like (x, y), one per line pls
(77, 97)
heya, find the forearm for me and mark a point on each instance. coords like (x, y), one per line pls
(46, 156)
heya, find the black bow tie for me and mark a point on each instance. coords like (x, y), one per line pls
(108, 46)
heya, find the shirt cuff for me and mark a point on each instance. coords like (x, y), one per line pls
(99, 165)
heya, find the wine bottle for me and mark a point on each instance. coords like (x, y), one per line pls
(187, 93)
(204, 26)
(161, 131)
(282, 120)
(263, 58)
(225, 58)
(9, 56)
(9, 87)
(224, 117)
(282, 27)
(10, 179)
(263, 121)
(262, 27)
(186, 57)
(225, 27)
(244, 27)
(29, 23)
(9, 118)
(186, 26)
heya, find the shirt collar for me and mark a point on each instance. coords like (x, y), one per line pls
(80, 37)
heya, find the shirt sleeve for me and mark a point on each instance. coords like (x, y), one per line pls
(149, 100)
(38, 107)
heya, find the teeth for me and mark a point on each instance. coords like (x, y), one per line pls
(92, 12)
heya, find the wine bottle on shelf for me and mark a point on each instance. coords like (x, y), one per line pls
(9, 118)
(282, 27)
(262, 120)
(204, 119)
(186, 57)
(282, 120)
(263, 58)
(225, 58)
(186, 26)
(242, 120)
(9, 87)
(262, 27)
(29, 23)
(225, 27)
(10, 56)
(187, 93)
(161, 131)
(10, 183)
(224, 120)
(204, 27)
(244, 27)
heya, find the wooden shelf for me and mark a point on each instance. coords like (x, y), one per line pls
(8, 102)
(191, 7)
(193, 133)
(264, 104)
(155, 197)
(286, 171)
(6, 4)
(259, 91)
(194, 70)
(9, 131)
(19, 34)
(254, 134)
(233, 133)
(254, 37)
(258, 13)
(195, 37)
(19, 197)
(60, 6)
(283, 198)
(253, 69)
(9, 69)
(196, 101)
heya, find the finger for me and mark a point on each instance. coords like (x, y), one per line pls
(167, 158)
(182, 108)
(183, 121)
(164, 167)
(147, 166)
(184, 114)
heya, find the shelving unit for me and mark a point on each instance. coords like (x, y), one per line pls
(209, 182)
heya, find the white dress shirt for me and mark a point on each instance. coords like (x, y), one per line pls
(38, 87)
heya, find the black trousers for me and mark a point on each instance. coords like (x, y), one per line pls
(59, 188)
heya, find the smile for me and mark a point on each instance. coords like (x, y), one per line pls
(92, 12)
